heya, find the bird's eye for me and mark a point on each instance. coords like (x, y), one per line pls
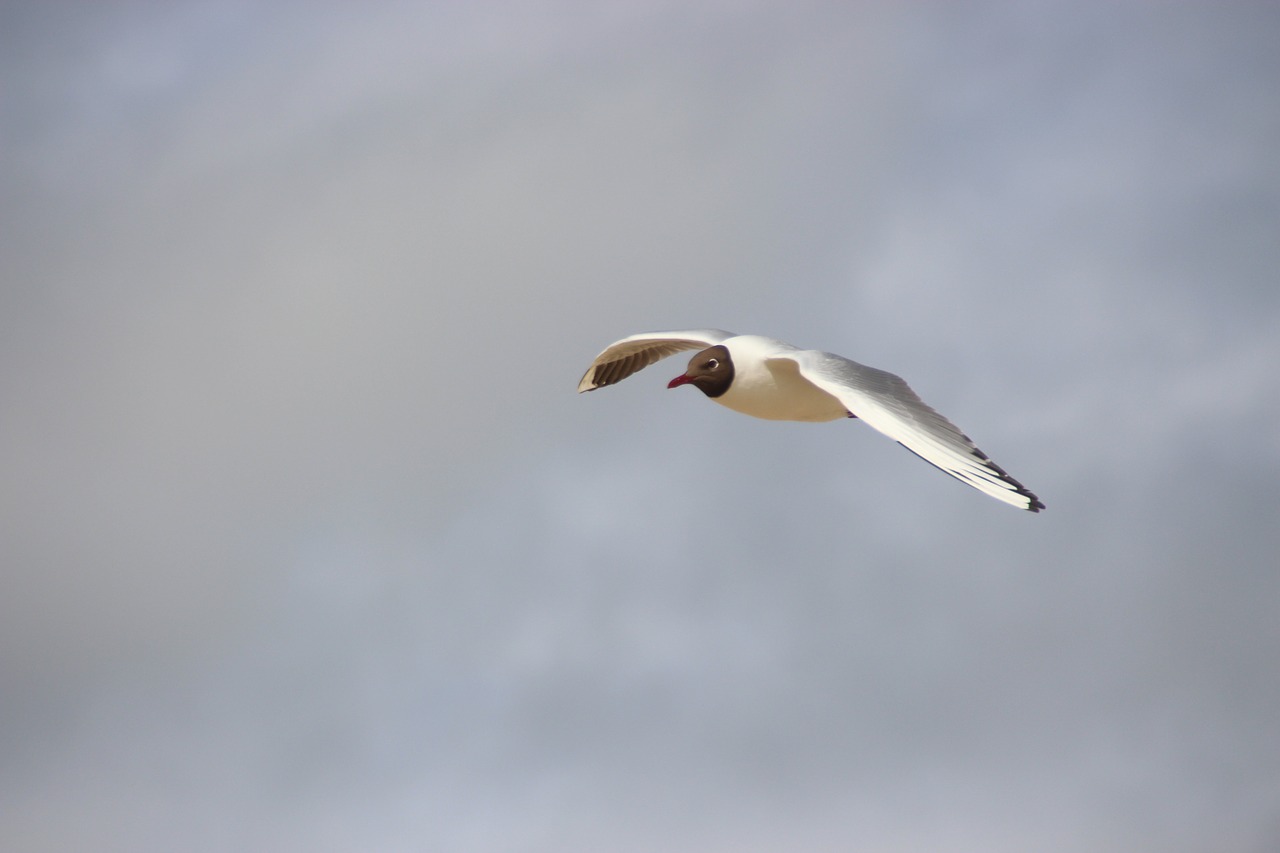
(712, 364)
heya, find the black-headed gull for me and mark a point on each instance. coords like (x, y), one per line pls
(768, 379)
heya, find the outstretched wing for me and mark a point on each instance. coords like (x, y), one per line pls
(623, 358)
(889, 405)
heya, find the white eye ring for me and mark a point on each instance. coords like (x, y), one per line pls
(712, 364)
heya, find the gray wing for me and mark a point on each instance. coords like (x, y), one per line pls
(889, 405)
(623, 358)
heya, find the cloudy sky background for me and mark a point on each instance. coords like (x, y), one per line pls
(308, 544)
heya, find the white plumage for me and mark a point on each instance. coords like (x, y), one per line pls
(766, 378)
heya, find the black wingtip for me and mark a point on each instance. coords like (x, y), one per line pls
(1034, 504)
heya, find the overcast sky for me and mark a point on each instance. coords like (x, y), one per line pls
(307, 542)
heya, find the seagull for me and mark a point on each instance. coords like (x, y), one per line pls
(769, 379)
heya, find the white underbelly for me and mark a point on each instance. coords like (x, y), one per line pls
(779, 393)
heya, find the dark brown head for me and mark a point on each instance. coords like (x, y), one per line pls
(710, 371)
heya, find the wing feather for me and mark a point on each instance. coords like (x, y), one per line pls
(889, 405)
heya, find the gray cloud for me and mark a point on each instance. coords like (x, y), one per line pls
(309, 544)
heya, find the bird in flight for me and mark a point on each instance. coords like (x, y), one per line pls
(766, 378)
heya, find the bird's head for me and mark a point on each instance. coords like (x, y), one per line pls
(710, 371)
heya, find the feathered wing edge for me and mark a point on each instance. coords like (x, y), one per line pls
(888, 404)
(622, 358)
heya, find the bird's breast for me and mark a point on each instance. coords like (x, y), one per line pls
(775, 390)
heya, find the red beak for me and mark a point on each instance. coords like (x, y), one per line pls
(682, 379)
